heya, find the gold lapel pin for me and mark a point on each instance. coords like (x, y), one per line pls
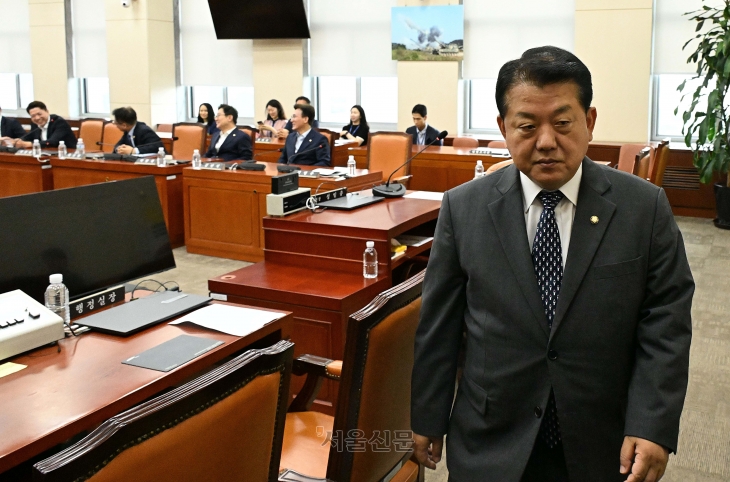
(594, 219)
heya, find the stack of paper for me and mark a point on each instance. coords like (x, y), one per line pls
(234, 320)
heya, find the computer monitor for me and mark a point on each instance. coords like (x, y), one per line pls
(96, 236)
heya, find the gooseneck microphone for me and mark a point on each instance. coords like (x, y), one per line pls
(288, 167)
(397, 189)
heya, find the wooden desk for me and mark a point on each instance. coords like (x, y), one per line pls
(64, 394)
(269, 152)
(72, 173)
(23, 175)
(313, 268)
(224, 209)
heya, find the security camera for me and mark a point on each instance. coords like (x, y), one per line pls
(126, 3)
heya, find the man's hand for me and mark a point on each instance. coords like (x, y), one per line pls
(642, 460)
(428, 450)
(23, 144)
(125, 149)
(282, 133)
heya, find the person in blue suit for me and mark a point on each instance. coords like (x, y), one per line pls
(49, 129)
(230, 143)
(137, 137)
(305, 145)
(10, 128)
(423, 134)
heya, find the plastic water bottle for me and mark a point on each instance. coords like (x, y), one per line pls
(370, 261)
(57, 297)
(80, 149)
(351, 165)
(161, 157)
(479, 170)
(196, 159)
(62, 152)
(36, 148)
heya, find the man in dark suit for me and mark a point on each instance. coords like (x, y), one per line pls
(284, 133)
(571, 282)
(10, 128)
(138, 137)
(305, 145)
(423, 134)
(229, 143)
(49, 129)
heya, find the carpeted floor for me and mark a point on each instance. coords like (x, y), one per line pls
(704, 440)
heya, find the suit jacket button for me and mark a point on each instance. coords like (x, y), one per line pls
(552, 355)
(538, 412)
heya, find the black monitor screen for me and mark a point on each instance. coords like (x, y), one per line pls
(248, 19)
(96, 236)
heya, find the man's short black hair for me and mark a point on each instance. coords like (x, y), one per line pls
(543, 66)
(307, 111)
(125, 114)
(420, 109)
(34, 104)
(229, 110)
(300, 98)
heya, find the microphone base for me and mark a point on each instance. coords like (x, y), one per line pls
(389, 191)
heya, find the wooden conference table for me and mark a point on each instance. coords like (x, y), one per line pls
(23, 175)
(313, 268)
(224, 209)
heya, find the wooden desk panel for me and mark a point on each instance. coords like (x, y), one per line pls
(224, 209)
(73, 173)
(23, 175)
(62, 394)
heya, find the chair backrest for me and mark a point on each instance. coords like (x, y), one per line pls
(627, 157)
(164, 127)
(111, 136)
(498, 165)
(659, 166)
(387, 151)
(251, 131)
(92, 132)
(497, 145)
(468, 142)
(189, 137)
(641, 164)
(331, 138)
(224, 425)
(375, 387)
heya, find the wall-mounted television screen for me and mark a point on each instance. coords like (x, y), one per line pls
(257, 19)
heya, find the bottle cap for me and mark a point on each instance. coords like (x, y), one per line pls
(195, 151)
(80, 141)
(61, 142)
(351, 158)
(56, 278)
(479, 163)
(370, 244)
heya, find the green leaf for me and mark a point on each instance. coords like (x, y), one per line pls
(699, 25)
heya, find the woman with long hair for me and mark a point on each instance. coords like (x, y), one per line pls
(275, 119)
(206, 115)
(357, 130)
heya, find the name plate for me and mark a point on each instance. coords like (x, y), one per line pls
(96, 302)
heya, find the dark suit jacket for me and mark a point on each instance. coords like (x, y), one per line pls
(431, 134)
(58, 130)
(289, 127)
(237, 146)
(619, 342)
(10, 127)
(143, 136)
(314, 151)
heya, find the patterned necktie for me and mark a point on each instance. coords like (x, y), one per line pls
(547, 258)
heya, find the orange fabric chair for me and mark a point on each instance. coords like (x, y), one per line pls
(498, 165)
(225, 425)
(627, 157)
(111, 136)
(189, 137)
(659, 166)
(497, 145)
(331, 138)
(374, 396)
(467, 142)
(92, 132)
(641, 164)
(387, 151)
(251, 131)
(164, 127)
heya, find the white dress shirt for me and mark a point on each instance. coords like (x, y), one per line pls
(44, 130)
(300, 139)
(564, 211)
(422, 135)
(222, 138)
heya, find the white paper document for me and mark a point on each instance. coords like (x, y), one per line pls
(431, 196)
(233, 320)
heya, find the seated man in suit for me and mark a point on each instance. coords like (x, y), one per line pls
(138, 138)
(49, 129)
(10, 129)
(284, 133)
(305, 145)
(229, 143)
(423, 134)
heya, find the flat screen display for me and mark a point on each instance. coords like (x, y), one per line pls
(96, 236)
(249, 19)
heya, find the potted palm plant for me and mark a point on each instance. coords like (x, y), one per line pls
(708, 116)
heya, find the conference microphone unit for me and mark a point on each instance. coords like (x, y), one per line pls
(397, 189)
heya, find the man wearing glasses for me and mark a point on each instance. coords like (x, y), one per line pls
(138, 137)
